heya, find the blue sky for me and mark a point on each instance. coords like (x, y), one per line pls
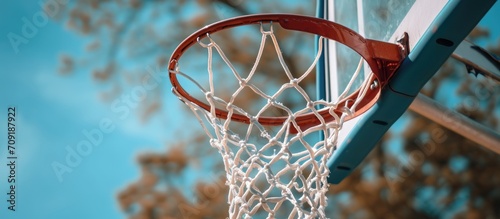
(53, 111)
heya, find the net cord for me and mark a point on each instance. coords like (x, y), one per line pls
(245, 197)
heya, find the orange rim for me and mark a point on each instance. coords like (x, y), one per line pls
(383, 59)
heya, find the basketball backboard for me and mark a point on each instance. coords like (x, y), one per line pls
(432, 36)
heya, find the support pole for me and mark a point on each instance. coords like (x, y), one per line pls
(456, 122)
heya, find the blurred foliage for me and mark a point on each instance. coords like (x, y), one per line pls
(437, 174)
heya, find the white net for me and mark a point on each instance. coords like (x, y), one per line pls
(282, 174)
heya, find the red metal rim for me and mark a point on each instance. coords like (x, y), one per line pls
(383, 59)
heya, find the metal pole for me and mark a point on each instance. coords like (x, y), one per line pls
(456, 122)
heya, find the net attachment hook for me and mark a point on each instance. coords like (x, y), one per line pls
(204, 45)
(270, 31)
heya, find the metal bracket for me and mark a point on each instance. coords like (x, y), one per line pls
(404, 42)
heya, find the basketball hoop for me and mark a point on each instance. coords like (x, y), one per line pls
(245, 162)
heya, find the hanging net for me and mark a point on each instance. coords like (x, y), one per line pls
(276, 167)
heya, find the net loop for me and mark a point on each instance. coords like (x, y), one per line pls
(211, 44)
(266, 32)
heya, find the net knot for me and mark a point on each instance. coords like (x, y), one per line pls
(242, 144)
(243, 83)
(264, 134)
(253, 119)
(229, 107)
(209, 95)
(271, 100)
(273, 141)
(226, 156)
(262, 200)
(214, 142)
(310, 105)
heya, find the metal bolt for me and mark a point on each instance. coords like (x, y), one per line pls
(374, 85)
